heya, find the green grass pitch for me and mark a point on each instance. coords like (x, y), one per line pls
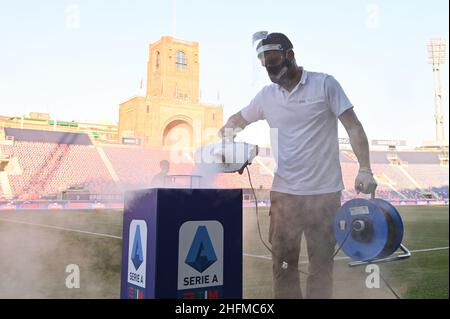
(36, 247)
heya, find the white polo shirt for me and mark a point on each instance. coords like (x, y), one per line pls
(304, 132)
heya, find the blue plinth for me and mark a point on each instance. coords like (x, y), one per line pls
(182, 243)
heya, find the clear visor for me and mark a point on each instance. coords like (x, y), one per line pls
(258, 58)
(270, 58)
(267, 54)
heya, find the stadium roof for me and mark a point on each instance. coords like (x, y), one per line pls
(28, 135)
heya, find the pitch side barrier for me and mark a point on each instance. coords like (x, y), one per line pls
(6, 205)
(411, 202)
(58, 205)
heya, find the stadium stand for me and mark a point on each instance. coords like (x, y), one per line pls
(429, 175)
(44, 163)
(49, 167)
(52, 137)
(136, 166)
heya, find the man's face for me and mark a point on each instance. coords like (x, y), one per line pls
(164, 167)
(276, 65)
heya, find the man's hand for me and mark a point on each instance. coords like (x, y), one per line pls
(227, 133)
(365, 183)
(234, 125)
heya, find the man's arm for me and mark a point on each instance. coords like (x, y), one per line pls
(364, 181)
(235, 123)
(358, 138)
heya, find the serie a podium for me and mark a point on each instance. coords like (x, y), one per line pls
(182, 243)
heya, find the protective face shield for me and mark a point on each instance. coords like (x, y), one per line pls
(271, 56)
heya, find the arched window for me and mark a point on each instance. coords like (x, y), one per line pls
(158, 59)
(181, 62)
(178, 134)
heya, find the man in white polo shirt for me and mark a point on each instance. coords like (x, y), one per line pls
(304, 107)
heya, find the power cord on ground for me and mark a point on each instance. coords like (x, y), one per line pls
(389, 287)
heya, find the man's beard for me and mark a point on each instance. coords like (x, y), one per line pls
(283, 76)
(277, 78)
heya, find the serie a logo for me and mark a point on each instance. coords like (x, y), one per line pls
(200, 259)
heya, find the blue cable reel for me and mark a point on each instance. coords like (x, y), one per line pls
(370, 231)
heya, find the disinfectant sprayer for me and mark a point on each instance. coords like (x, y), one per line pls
(225, 157)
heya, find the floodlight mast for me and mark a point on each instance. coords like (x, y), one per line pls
(436, 51)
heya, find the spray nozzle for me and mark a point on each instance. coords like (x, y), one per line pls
(225, 157)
